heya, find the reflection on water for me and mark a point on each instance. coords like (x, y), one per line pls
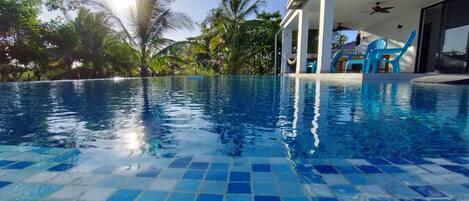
(238, 116)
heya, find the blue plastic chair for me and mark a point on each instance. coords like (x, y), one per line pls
(377, 55)
(364, 62)
(335, 59)
(314, 64)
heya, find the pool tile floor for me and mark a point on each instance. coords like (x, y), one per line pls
(40, 173)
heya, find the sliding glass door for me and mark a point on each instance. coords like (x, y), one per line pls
(444, 38)
(454, 50)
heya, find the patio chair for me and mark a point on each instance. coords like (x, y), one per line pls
(311, 64)
(335, 59)
(377, 44)
(397, 53)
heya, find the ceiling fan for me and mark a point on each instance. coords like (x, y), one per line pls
(379, 9)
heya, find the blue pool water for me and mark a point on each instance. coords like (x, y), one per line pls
(239, 116)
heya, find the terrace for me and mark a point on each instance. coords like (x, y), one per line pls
(434, 50)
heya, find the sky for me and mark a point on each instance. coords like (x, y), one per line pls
(197, 9)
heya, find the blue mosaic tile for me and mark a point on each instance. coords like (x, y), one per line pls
(266, 198)
(150, 172)
(238, 197)
(61, 167)
(184, 159)
(369, 169)
(66, 156)
(345, 190)
(391, 169)
(153, 196)
(19, 165)
(264, 188)
(216, 176)
(287, 178)
(4, 183)
(326, 199)
(295, 199)
(104, 170)
(409, 179)
(377, 161)
(239, 188)
(213, 187)
(428, 191)
(178, 164)
(260, 167)
(281, 168)
(124, 195)
(199, 165)
(419, 161)
(5, 162)
(181, 197)
(303, 168)
(240, 176)
(458, 169)
(209, 197)
(41, 150)
(262, 177)
(194, 175)
(358, 179)
(458, 160)
(188, 186)
(326, 169)
(294, 189)
(454, 190)
(219, 166)
(42, 191)
(398, 161)
(311, 178)
(347, 170)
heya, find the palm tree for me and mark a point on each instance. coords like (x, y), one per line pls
(146, 26)
(234, 15)
(94, 31)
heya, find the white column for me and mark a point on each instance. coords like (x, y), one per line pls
(326, 23)
(286, 48)
(302, 46)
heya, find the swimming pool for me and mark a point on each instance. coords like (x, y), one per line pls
(240, 116)
(233, 138)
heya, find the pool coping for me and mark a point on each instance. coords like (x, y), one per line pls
(404, 77)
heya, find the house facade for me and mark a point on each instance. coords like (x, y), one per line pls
(441, 45)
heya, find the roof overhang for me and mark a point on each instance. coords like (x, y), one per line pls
(296, 4)
(350, 13)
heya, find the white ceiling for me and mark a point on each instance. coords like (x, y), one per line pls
(348, 12)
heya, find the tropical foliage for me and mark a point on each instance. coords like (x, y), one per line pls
(91, 40)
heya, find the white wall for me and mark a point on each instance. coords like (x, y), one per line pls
(388, 29)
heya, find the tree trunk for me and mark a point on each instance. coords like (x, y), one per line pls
(143, 63)
(69, 64)
(144, 71)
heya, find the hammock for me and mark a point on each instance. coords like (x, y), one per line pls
(291, 62)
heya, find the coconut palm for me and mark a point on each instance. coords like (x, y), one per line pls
(94, 31)
(145, 27)
(225, 27)
(235, 14)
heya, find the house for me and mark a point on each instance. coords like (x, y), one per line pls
(441, 45)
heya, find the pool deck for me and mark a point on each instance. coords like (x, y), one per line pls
(413, 77)
(38, 173)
